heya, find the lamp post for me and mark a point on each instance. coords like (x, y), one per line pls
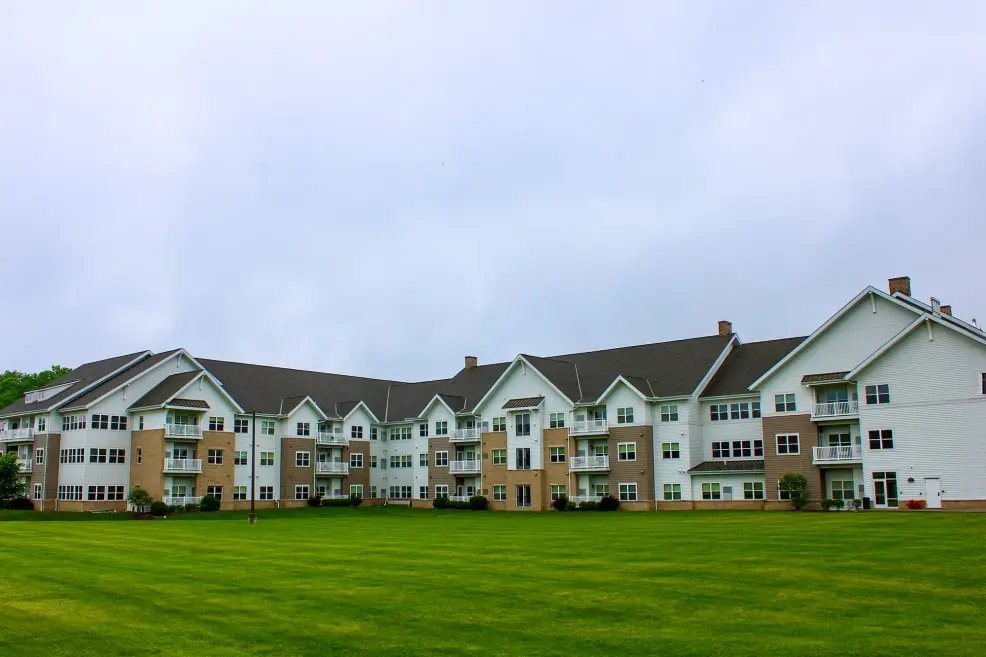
(252, 518)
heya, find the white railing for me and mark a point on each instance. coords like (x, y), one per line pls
(462, 498)
(465, 467)
(181, 500)
(331, 438)
(25, 465)
(835, 409)
(578, 499)
(836, 453)
(17, 434)
(183, 430)
(588, 428)
(335, 495)
(331, 468)
(588, 463)
(183, 465)
(459, 435)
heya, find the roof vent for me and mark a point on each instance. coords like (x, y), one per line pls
(900, 284)
(935, 306)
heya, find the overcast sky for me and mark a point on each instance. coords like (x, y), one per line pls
(381, 188)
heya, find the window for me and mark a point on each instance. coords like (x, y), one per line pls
(523, 495)
(423, 461)
(97, 455)
(557, 454)
(215, 457)
(628, 492)
(140, 423)
(267, 458)
(885, 488)
(558, 491)
(423, 433)
(441, 490)
(239, 493)
(522, 424)
(500, 424)
(788, 444)
(356, 432)
(407, 461)
(843, 490)
(215, 491)
(742, 449)
(373, 433)
(983, 388)
(39, 456)
(356, 491)
(266, 493)
(100, 422)
(301, 491)
(304, 429)
(73, 493)
(739, 411)
(755, 409)
(441, 459)
(240, 458)
(710, 491)
(302, 459)
(96, 493)
(720, 450)
(216, 423)
(624, 415)
(373, 461)
(626, 452)
(241, 425)
(118, 455)
(670, 450)
(422, 492)
(499, 493)
(140, 455)
(783, 493)
(73, 455)
(42, 424)
(441, 428)
(523, 458)
(118, 423)
(395, 461)
(882, 439)
(784, 403)
(878, 394)
(672, 492)
(556, 420)
(267, 427)
(758, 447)
(500, 457)
(669, 413)
(356, 459)
(602, 489)
(752, 490)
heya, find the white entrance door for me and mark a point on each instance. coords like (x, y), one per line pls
(932, 492)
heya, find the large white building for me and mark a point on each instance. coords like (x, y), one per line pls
(886, 400)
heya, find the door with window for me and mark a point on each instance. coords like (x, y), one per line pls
(885, 489)
(600, 449)
(523, 496)
(179, 453)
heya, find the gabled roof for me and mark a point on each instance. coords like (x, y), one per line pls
(168, 388)
(126, 376)
(82, 378)
(716, 467)
(948, 319)
(290, 404)
(746, 363)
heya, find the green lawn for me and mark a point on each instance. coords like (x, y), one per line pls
(385, 581)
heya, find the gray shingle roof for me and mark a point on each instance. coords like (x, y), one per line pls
(523, 402)
(83, 376)
(164, 390)
(825, 376)
(189, 403)
(746, 363)
(128, 374)
(715, 467)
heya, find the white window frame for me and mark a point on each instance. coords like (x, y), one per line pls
(672, 492)
(441, 459)
(441, 428)
(266, 493)
(671, 450)
(669, 413)
(753, 490)
(499, 492)
(556, 456)
(624, 415)
(557, 490)
(356, 459)
(785, 402)
(214, 457)
(441, 490)
(302, 491)
(499, 456)
(356, 491)
(620, 456)
(268, 427)
(267, 459)
(877, 395)
(522, 427)
(556, 421)
(500, 423)
(711, 491)
(302, 459)
(217, 423)
(628, 491)
(787, 441)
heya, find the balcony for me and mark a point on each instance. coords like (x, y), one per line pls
(835, 410)
(837, 454)
(25, 466)
(181, 500)
(182, 431)
(472, 435)
(578, 499)
(588, 463)
(183, 465)
(331, 468)
(589, 428)
(465, 467)
(461, 498)
(12, 435)
(331, 438)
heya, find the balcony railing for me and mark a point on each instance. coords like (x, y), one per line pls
(25, 466)
(462, 498)
(589, 428)
(584, 463)
(578, 499)
(331, 438)
(331, 468)
(465, 467)
(17, 434)
(181, 500)
(466, 435)
(837, 454)
(835, 409)
(183, 465)
(183, 430)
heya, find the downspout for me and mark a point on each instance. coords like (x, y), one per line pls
(44, 478)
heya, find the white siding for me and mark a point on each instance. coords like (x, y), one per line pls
(674, 471)
(621, 397)
(725, 480)
(727, 430)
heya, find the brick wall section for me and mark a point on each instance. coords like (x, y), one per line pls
(640, 470)
(776, 466)
(216, 475)
(493, 474)
(532, 478)
(357, 476)
(149, 473)
(291, 474)
(48, 474)
(439, 475)
(554, 473)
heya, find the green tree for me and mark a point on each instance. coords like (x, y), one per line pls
(139, 499)
(13, 384)
(798, 485)
(10, 478)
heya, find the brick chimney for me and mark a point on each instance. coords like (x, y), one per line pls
(471, 362)
(900, 284)
(725, 328)
(946, 310)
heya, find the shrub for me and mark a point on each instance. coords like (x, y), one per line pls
(315, 500)
(139, 499)
(340, 501)
(19, 504)
(440, 502)
(609, 503)
(479, 503)
(571, 506)
(190, 507)
(830, 504)
(560, 503)
(209, 503)
(355, 501)
(159, 509)
(589, 506)
(916, 504)
(857, 504)
(798, 485)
